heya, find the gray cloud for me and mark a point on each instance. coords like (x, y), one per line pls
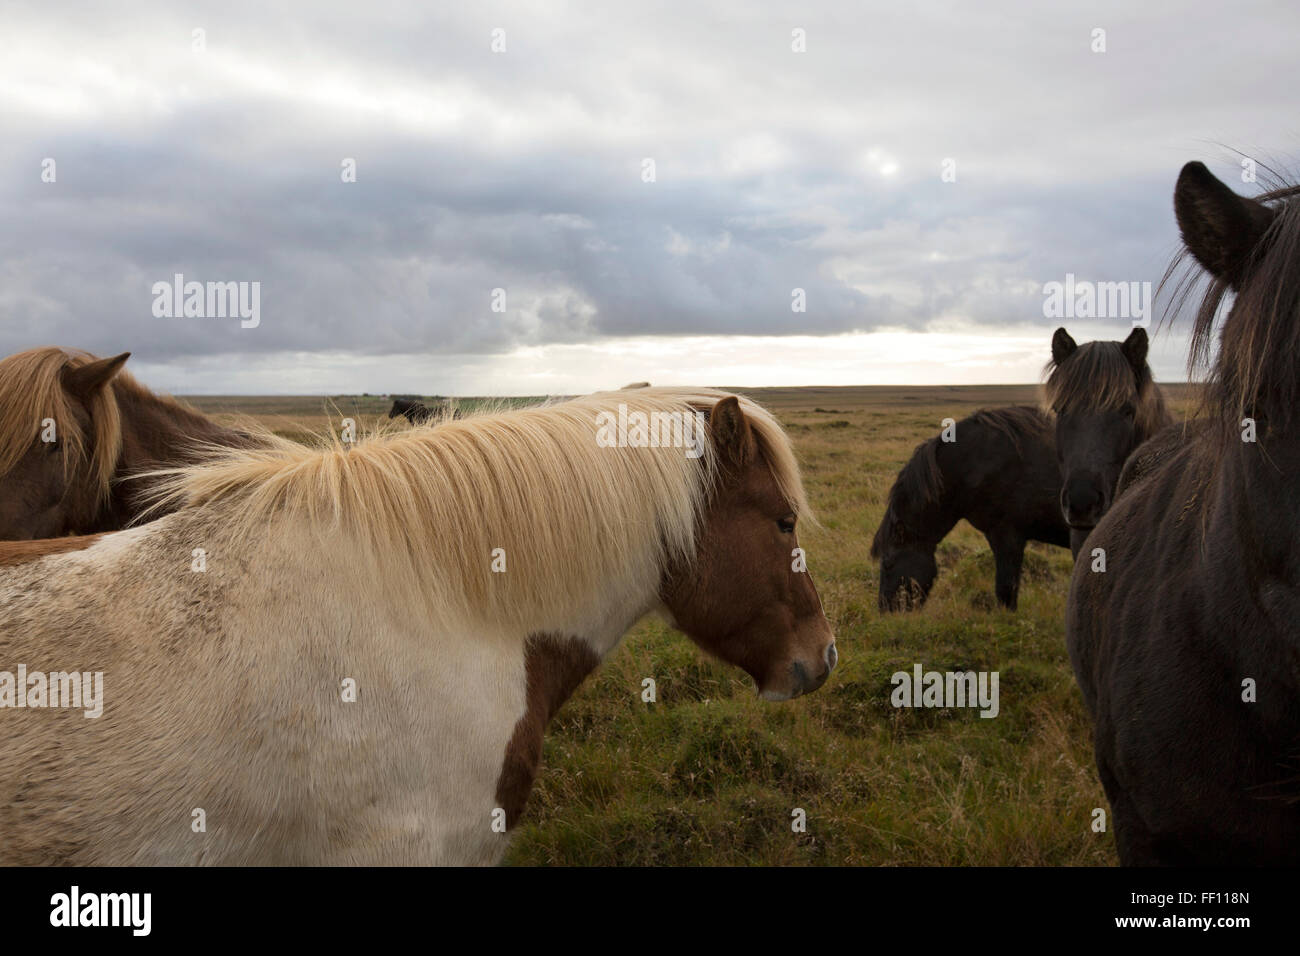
(521, 170)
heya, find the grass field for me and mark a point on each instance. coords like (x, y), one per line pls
(710, 774)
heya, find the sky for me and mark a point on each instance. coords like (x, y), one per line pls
(530, 198)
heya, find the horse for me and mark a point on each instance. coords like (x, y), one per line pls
(363, 669)
(1105, 404)
(1185, 646)
(1152, 453)
(999, 474)
(414, 412)
(72, 427)
(417, 413)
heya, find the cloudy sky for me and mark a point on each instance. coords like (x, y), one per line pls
(222, 154)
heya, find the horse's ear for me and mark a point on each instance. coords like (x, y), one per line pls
(84, 381)
(1062, 346)
(1135, 348)
(1219, 228)
(732, 438)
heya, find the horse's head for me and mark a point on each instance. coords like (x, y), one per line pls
(907, 573)
(1246, 323)
(1105, 404)
(54, 426)
(747, 596)
(904, 550)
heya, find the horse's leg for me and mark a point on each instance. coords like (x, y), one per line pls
(1136, 845)
(1009, 556)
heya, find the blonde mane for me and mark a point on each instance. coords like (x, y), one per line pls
(429, 506)
(31, 390)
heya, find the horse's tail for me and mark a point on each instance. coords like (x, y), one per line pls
(918, 486)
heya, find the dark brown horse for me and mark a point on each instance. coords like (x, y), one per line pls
(71, 427)
(999, 474)
(1105, 403)
(1187, 645)
(417, 412)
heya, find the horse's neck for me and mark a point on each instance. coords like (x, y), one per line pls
(1160, 419)
(158, 434)
(1259, 487)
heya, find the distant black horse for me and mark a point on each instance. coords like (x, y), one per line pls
(417, 412)
(1106, 404)
(1187, 645)
(999, 474)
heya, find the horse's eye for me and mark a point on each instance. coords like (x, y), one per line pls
(1128, 410)
(51, 447)
(786, 524)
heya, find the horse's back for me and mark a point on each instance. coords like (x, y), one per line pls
(225, 668)
(1004, 462)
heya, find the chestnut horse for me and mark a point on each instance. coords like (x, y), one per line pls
(1186, 646)
(361, 667)
(71, 427)
(1105, 404)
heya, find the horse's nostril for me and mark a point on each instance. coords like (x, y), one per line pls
(800, 675)
(832, 656)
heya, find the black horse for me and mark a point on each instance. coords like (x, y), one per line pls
(1106, 404)
(417, 412)
(999, 474)
(1187, 645)
(1151, 454)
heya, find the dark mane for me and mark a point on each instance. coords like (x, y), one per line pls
(1014, 422)
(1257, 349)
(1099, 376)
(919, 485)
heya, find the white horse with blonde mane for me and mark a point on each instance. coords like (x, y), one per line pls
(334, 656)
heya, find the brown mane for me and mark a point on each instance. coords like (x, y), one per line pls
(31, 390)
(130, 428)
